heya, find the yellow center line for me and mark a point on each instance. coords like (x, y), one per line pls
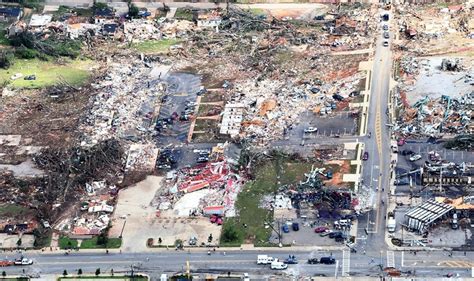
(378, 137)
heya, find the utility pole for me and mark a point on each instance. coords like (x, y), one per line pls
(441, 178)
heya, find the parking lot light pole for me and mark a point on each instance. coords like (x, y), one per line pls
(278, 232)
(121, 232)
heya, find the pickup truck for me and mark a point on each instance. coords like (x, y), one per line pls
(23, 261)
(278, 265)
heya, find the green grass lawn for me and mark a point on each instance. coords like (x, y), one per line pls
(184, 14)
(47, 73)
(13, 210)
(268, 178)
(112, 243)
(155, 46)
(3, 40)
(67, 243)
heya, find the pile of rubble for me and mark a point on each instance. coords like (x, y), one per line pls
(313, 192)
(141, 29)
(435, 117)
(422, 26)
(275, 106)
(210, 188)
(124, 105)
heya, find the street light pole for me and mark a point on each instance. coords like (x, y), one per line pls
(123, 227)
(277, 232)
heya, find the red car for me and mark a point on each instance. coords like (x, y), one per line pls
(401, 142)
(321, 229)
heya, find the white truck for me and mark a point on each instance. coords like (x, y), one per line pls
(264, 259)
(391, 223)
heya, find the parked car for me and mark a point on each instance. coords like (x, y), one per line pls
(192, 241)
(434, 156)
(313, 261)
(401, 142)
(407, 152)
(202, 160)
(327, 260)
(386, 35)
(415, 157)
(325, 233)
(339, 239)
(285, 228)
(310, 130)
(385, 43)
(338, 97)
(295, 226)
(201, 91)
(30, 77)
(365, 157)
(385, 27)
(321, 229)
(335, 234)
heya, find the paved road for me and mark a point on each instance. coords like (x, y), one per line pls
(433, 264)
(376, 169)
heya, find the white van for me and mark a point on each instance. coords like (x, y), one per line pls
(278, 265)
(264, 259)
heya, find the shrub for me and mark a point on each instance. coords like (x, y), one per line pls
(25, 53)
(6, 59)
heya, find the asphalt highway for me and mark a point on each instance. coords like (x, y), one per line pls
(434, 264)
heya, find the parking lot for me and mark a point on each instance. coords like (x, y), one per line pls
(306, 235)
(423, 148)
(136, 219)
(341, 123)
(182, 90)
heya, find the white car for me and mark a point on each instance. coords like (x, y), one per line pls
(415, 157)
(310, 130)
(246, 277)
(23, 261)
(278, 265)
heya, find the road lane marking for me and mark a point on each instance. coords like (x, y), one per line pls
(83, 262)
(390, 259)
